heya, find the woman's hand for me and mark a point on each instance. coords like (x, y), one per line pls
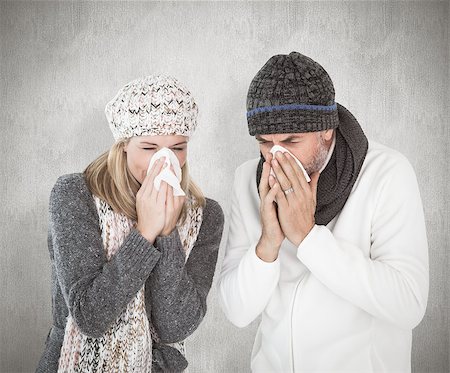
(151, 204)
(174, 205)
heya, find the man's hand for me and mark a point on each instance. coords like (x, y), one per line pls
(272, 236)
(296, 208)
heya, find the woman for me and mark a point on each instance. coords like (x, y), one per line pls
(132, 261)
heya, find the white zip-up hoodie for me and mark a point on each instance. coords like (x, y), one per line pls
(347, 298)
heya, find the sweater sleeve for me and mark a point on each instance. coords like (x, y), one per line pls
(95, 290)
(246, 282)
(391, 284)
(178, 290)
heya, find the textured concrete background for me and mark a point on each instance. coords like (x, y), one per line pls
(62, 61)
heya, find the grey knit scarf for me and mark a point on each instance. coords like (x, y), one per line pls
(337, 179)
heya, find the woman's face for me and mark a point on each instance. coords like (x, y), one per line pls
(140, 150)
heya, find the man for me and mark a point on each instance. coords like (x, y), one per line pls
(338, 267)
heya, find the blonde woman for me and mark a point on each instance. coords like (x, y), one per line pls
(133, 248)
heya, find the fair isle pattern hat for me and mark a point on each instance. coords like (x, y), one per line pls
(291, 93)
(153, 105)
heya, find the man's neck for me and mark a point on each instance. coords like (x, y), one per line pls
(330, 151)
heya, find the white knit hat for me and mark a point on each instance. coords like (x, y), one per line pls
(153, 105)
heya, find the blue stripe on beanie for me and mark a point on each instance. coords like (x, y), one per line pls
(291, 107)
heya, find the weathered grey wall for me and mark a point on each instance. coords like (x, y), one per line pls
(62, 61)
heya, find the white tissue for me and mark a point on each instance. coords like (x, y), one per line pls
(278, 148)
(166, 174)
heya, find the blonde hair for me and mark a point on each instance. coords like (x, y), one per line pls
(109, 178)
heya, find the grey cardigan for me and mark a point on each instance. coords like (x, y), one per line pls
(95, 290)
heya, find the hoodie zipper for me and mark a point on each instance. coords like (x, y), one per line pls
(292, 317)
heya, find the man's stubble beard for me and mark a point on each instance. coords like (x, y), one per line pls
(320, 156)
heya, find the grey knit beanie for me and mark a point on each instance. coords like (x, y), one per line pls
(291, 93)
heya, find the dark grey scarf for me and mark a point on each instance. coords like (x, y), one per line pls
(337, 179)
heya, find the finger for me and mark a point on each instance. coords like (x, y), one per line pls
(288, 170)
(281, 198)
(146, 181)
(313, 185)
(154, 194)
(296, 168)
(281, 176)
(270, 197)
(269, 157)
(157, 167)
(272, 181)
(154, 171)
(178, 202)
(263, 183)
(169, 199)
(162, 194)
(169, 205)
(300, 175)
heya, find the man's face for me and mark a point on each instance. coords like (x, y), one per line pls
(311, 148)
